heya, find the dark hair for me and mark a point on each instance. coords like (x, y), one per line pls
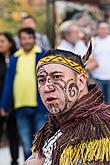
(28, 17)
(57, 52)
(28, 30)
(10, 38)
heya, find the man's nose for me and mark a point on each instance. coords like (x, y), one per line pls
(49, 86)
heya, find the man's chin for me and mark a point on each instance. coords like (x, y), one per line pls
(28, 49)
(53, 109)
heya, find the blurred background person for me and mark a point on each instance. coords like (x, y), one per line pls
(41, 40)
(99, 66)
(21, 82)
(7, 48)
(70, 38)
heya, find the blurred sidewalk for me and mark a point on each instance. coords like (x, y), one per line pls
(5, 156)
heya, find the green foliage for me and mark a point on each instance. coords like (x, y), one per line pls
(11, 16)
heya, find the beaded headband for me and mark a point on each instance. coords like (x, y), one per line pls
(61, 60)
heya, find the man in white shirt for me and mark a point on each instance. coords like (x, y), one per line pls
(101, 54)
(70, 38)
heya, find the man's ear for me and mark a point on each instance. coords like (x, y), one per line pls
(81, 81)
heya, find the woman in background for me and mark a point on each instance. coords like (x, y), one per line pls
(7, 48)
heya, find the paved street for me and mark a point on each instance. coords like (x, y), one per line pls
(5, 156)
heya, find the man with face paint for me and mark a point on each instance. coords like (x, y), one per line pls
(78, 127)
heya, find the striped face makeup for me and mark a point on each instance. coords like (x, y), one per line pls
(57, 87)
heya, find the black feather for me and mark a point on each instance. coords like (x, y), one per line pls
(87, 55)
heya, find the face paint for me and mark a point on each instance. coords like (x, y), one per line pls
(70, 91)
(54, 108)
(57, 92)
(73, 89)
(41, 75)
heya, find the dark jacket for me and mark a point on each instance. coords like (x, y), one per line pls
(2, 73)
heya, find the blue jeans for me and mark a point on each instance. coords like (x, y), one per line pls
(105, 87)
(29, 120)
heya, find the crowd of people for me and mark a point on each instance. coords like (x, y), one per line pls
(21, 108)
(75, 40)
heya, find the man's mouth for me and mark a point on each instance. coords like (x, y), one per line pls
(50, 99)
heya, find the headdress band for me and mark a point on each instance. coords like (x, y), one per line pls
(61, 60)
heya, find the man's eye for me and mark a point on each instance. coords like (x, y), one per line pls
(56, 77)
(41, 81)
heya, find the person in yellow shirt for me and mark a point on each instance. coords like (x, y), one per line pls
(21, 82)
